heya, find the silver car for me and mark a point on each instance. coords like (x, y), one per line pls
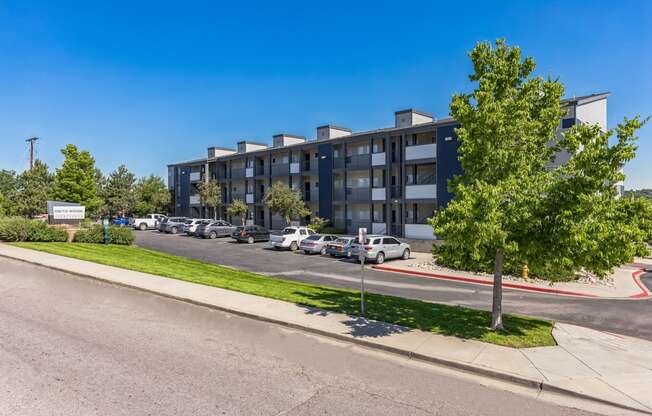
(190, 226)
(214, 229)
(316, 243)
(379, 248)
(174, 224)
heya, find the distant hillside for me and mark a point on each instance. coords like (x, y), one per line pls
(640, 192)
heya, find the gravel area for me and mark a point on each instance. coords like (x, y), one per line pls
(582, 278)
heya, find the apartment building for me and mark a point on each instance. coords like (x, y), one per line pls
(389, 180)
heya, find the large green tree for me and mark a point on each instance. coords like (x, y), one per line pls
(34, 187)
(286, 202)
(151, 195)
(8, 184)
(238, 208)
(118, 192)
(511, 206)
(210, 193)
(75, 180)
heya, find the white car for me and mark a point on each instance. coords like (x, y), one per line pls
(191, 225)
(290, 238)
(149, 221)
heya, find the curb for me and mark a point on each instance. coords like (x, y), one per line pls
(468, 368)
(643, 294)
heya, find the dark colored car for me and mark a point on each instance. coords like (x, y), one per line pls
(174, 224)
(161, 225)
(341, 247)
(250, 234)
(215, 229)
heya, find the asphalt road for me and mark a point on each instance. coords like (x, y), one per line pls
(74, 346)
(622, 316)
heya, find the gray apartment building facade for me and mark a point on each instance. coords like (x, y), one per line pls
(389, 180)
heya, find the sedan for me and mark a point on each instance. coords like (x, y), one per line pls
(341, 247)
(250, 234)
(316, 243)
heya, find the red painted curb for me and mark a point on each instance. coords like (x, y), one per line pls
(644, 292)
(484, 282)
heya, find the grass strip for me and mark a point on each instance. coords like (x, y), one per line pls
(520, 332)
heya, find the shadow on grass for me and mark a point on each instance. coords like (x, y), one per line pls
(431, 317)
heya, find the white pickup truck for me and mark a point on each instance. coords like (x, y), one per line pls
(290, 238)
(149, 221)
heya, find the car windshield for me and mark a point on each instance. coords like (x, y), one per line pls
(289, 230)
(314, 237)
(190, 221)
(343, 240)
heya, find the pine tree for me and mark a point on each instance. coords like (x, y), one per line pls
(75, 180)
(33, 190)
(118, 192)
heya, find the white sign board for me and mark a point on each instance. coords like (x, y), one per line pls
(362, 235)
(70, 212)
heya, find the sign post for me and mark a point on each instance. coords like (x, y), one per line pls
(362, 240)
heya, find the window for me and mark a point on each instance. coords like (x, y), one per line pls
(376, 241)
(390, 240)
(313, 237)
(302, 232)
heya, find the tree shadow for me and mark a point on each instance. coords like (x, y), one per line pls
(363, 327)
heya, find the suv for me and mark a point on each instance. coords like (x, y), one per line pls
(316, 243)
(174, 224)
(250, 234)
(379, 248)
(190, 226)
(290, 237)
(215, 229)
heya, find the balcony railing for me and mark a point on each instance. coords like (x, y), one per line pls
(352, 226)
(358, 161)
(309, 167)
(339, 194)
(259, 170)
(357, 194)
(237, 173)
(396, 191)
(240, 196)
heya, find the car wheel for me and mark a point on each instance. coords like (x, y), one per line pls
(293, 246)
(332, 255)
(143, 227)
(306, 251)
(212, 235)
(250, 240)
(174, 230)
(406, 254)
(323, 251)
(380, 258)
(277, 248)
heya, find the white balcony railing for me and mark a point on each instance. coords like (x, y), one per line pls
(377, 159)
(295, 167)
(249, 198)
(419, 231)
(194, 200)
(421, 191)
(422, 151)
(378, 194)
(195, 176)
(249, 172)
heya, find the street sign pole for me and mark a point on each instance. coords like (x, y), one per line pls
(362, 240)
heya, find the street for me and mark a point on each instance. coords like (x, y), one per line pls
(622, 316)
(75, 346)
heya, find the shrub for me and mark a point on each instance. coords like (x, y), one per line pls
(331, 230)
(95, 234)
(318, 224)
(22, 229)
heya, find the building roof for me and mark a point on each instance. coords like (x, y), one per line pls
(585, 99)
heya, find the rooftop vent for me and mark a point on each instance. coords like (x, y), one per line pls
(214, 152)
(281, 140)
(411, 117)
(247, 146)
(330, 132)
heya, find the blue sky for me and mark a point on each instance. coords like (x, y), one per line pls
(151, 83)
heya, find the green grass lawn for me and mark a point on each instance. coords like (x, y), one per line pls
(461, 322)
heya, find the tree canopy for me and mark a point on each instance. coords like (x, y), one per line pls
(33, 190)
(286, 202)
(238, 208)
(151, 195)
(75, 180)
(118, 192)
(210, 194)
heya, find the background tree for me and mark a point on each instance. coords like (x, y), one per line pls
(238, 209)
(286, 202)
(210, 194)
(511, 207)
(7, 191)
(151, 196)
(75, 180)
(647, 193)
(33, 190)
(118, 192)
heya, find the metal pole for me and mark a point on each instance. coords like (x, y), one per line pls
(362, 285)
(31, 142)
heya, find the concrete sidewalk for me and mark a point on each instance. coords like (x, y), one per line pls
(626, 284)
(608, 369)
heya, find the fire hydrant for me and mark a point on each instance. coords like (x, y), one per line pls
(526, 272)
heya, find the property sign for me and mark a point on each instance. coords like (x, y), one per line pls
(68, 212)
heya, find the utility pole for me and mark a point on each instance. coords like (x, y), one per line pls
(31, 141)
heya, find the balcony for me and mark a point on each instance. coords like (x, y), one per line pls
(295, 167)
(339, 162)
(195, 176)
(238, 195)
(279, 169)
(237, 173)
(311, 196)
(357, 194)
(419, 231)
(352, 226)
(422, 151)
(396, 191)
(249, 172)
(358, 161)
(339, 194)
(378, 194)
(260, 170)
(377, 159)
(421, 191)
(249, 198)
(195, 200)
(379, 228)
(309, 168)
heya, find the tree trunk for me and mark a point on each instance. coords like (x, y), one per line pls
(497, 307)
(215, 212)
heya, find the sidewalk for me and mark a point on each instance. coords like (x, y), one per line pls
(606, 368)
(626, 283)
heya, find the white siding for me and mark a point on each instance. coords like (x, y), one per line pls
(421, 151)
(419, 231)
(593, 113)
(420, 191)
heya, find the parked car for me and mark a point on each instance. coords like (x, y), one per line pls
(250, 234)
(121, 222)
(316, 243)
(341, 247)
(174, 224)
(214, 229)
(290, 237)
(190, 226)
(149, 221)
(379, 248)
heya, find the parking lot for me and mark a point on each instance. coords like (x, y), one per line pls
(625, 317)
